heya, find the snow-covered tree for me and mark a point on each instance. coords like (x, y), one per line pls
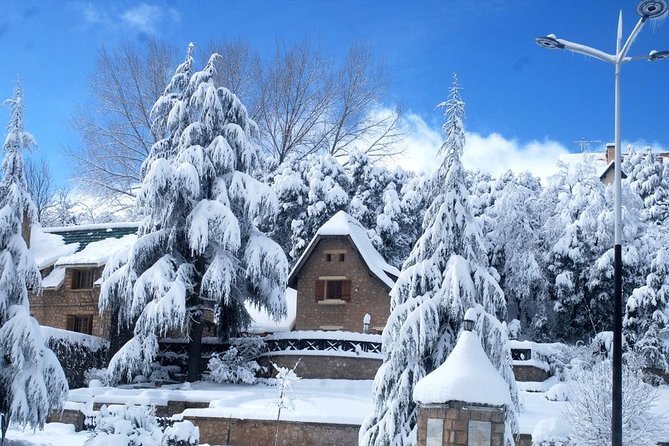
(647, 313)
(516, 254)
(446, 273)
(646, 176)
(32, 382)
(199, 252)
(589, 408)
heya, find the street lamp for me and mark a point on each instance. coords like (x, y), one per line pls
(647, 9)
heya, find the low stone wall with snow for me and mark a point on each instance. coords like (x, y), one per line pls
(76, 353)
(262, 432)
(324, 366)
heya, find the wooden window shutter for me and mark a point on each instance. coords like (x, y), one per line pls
(346, 290)
(320, 290)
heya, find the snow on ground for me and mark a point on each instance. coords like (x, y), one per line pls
(54, 434)
(315, 400)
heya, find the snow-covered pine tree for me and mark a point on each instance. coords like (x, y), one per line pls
(446, 273)
(199, 249)
(646, 176)
(515, 242)
(647, 311)
(32, 382)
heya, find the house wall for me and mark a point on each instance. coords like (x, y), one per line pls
(52, 307)
(368, 293)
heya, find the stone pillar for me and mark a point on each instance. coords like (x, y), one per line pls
(460, 424)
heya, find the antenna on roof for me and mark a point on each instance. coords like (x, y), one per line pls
(584, 144)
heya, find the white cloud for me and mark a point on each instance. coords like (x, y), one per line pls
(491, 153)
(143, 17)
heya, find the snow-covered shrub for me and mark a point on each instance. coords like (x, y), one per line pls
(238, 364)
(551, 432)
(589, 408)
(181, 433)
(98, 375)
(126, 426)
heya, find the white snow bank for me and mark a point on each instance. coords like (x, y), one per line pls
(97, 253)
(336, 401)
(47, 248)
(551, 430)
(72, 337)
(264, 323)
(54, 279)
(54, 434)
(343, 224)
(466, 375)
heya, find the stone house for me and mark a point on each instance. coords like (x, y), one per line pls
(340, 279)
(71, 260)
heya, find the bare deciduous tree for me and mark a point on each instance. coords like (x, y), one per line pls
(302, 103)
(296, 93)
(40, 185)
(238, 70)
(116, 128)
(356, 120)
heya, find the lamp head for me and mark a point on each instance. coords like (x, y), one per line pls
(549, 41)
(651, 9)
(470, 319)
(658, 55)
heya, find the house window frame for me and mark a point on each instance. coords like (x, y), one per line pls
(82, 279)
(322, 290)
(80, 323)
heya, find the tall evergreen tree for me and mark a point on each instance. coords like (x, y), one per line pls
(32, 382)
(446, 273)
(199, 248)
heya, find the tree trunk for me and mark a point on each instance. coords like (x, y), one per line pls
(195, 348)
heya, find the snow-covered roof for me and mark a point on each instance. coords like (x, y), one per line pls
(97, 253)
(608, 168)
(55, 279)
(342, 224)
(47, 248)
(264, 323)
(467, 375)
(85, 234)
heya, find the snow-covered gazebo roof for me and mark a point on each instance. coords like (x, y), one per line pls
(467, 375)
(342, 224)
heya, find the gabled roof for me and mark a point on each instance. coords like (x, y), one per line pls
(609, 168)
(342, 224)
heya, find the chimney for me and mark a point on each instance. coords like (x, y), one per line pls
(610, 152)
(25, 228)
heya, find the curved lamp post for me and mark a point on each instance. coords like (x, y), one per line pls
(647, 10)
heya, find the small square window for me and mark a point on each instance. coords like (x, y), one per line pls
(342, 257)
(82, 279)
(328, 257)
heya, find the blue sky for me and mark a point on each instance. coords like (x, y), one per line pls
(529, 97)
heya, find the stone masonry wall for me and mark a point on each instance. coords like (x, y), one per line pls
(368, 293)
(324, 367)
(52, 307)
(261, 432)
(525, 373)
(456, 416)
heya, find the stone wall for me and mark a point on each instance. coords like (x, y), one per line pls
(368, 294)
(52, 307)
(525, 373)
(324, 367)
(456, 416)
(261, 432)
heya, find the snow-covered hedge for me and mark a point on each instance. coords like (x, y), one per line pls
(76, 353)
